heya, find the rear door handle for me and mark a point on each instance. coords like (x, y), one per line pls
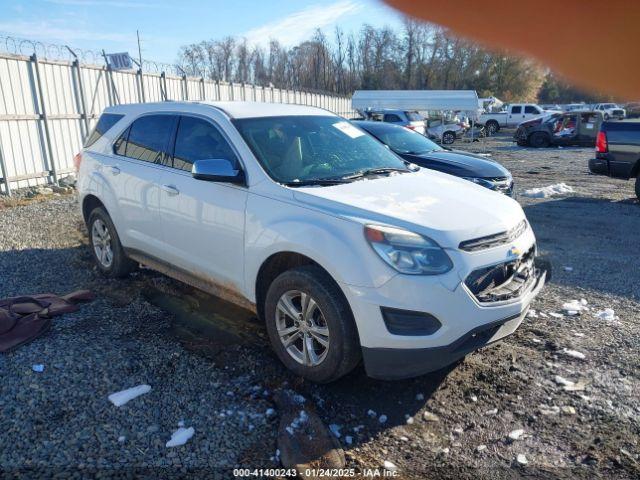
(171, 190)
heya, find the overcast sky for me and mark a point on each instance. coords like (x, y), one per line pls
(165, 25)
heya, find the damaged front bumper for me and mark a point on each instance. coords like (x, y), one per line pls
(395, 363)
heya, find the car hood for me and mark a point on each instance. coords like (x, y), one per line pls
(461, 164)
(446, 208)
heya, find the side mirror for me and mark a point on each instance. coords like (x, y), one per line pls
(217, 170)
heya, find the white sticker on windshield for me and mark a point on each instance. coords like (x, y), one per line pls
(348, 129)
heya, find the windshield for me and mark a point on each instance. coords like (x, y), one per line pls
(306, 148)
(402, 140)
(413, 116)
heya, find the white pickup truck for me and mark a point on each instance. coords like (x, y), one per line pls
(610, 110)
(514, 114)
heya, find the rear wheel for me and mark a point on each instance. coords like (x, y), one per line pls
(310, 325)
(539, 140)
(106, 247)
(492, 127)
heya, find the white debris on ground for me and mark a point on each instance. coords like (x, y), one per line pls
(270, 412)
(491, 412)
(568, 385)
(522, 459)
(122, 439)
(180, 437)
(573, 353)
(556, 315)
(382, 418)
(420, 397)
(532, 313)
(516, 434)
(390, 466)
(549, 191)
(607, 314)
(297, 422)
(430, 417)
(372, 413)
(335, 429)
(574, 307)
(481, 448)
(348, 439)
(38, 368)
(568, 269)
(122, 397)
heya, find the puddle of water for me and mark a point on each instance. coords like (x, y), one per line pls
(206, 323)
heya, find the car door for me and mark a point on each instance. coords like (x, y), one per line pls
(137, 154)
(202, 221)
(530, 111)
(515, 115)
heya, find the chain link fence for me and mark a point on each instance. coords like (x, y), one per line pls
(51, 96)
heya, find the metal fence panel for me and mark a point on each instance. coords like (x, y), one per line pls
(48, 107)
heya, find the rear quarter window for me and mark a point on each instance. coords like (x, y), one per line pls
(106, 121)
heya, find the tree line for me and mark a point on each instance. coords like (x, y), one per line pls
(417, 56)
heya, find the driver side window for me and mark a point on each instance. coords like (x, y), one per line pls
(198, 139)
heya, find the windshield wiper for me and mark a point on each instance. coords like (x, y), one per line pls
(316, 181)
(375, 171)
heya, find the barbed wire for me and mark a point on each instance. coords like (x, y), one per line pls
(52, 51)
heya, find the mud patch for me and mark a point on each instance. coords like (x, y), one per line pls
(206, 324)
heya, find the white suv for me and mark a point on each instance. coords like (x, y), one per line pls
(342, 248)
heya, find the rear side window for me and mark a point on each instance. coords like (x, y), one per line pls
(516, 109)
(147, 138)
(413, 116)
(531, 109)
(197, 139)
(392, 118)
(106, 121)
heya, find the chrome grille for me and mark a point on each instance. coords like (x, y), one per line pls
(494, 240)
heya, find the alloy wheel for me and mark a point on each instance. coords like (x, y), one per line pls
(101, 239)
(302, 328)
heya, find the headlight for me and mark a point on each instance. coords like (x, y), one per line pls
(408, 252)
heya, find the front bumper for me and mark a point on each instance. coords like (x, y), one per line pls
(395, 364)
(446, 298)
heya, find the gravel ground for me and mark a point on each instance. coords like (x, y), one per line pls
(205, 359)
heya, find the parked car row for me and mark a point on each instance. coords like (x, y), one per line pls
(341, 243)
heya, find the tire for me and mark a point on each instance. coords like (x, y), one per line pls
(331, 316)
(105, 245)
(638, 186)
(606, 116)
(448, 138)
(492, 127)
(539, 140)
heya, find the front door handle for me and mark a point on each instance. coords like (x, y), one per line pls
(171, 190)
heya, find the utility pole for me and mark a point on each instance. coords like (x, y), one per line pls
(139, 49)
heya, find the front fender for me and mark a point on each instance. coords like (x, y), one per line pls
(336, 244)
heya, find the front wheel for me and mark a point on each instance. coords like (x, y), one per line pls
(310, 325)
(606, 116)
(448, 138)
